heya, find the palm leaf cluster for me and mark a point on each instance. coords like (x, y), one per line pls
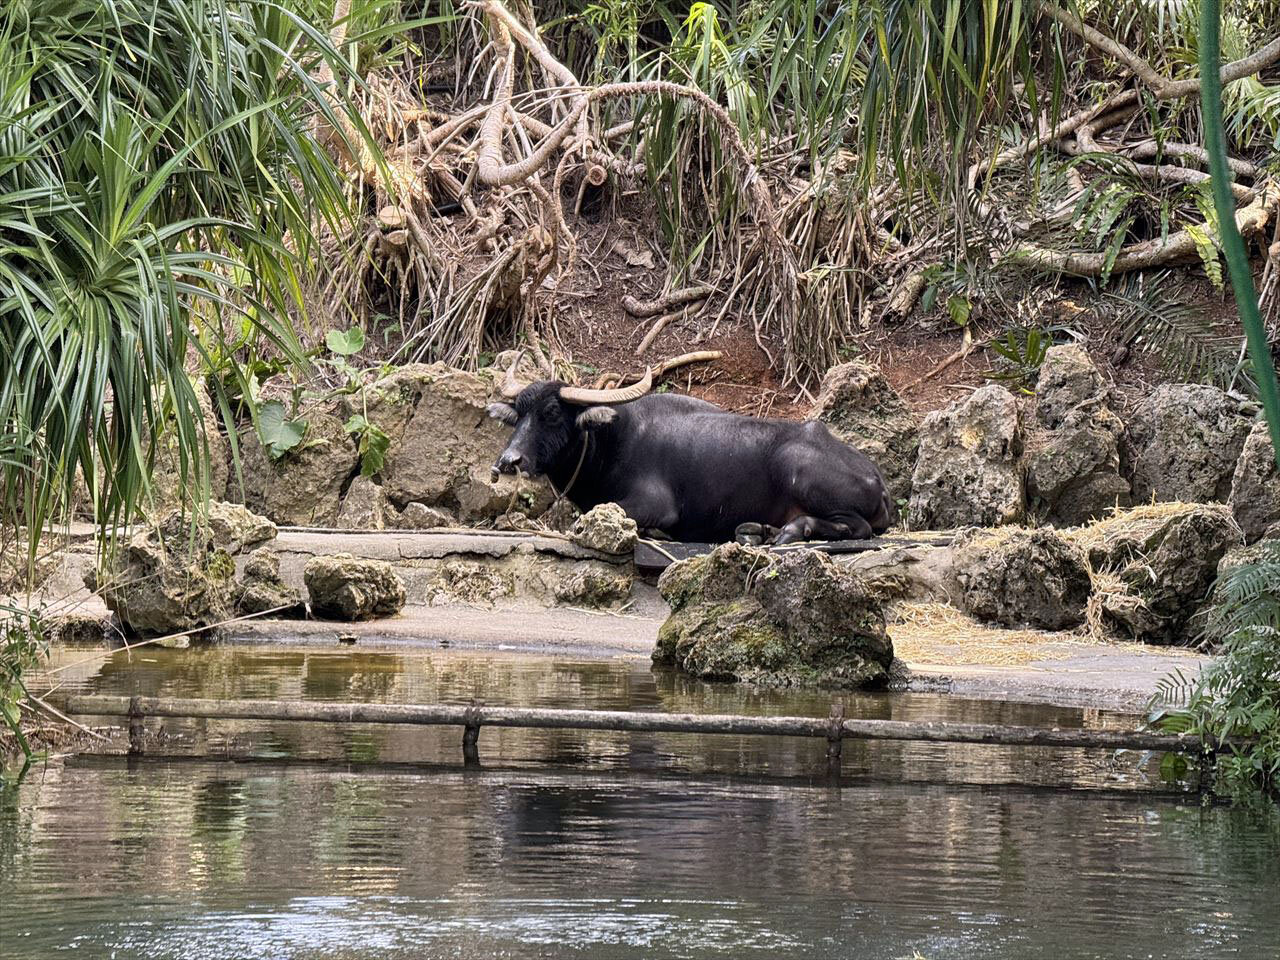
(159, 181)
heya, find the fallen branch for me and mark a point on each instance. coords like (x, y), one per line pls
(658, 326)
(698, 356)
(1163, 87)
(1149, 149)
(966, 348)
(664, 304)
(904, 298)
(1250, 220)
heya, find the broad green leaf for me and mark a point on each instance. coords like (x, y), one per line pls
(345, 343)
(278, 433)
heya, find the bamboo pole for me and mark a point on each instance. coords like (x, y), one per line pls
(472, 717)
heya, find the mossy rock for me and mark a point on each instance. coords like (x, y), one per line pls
(797, 619)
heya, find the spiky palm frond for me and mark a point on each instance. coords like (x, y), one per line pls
(159, 171)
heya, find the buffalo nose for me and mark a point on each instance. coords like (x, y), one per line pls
(507, 463)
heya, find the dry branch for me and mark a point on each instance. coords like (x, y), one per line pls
(698, 356)
(664, 304)
(654, 331)
(478, 715)
(1177, 247)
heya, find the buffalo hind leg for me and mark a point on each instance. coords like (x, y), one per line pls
(806, 527)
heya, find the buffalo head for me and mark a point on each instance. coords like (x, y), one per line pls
(549, 416)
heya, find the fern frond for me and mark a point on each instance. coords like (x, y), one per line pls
(1149, 313)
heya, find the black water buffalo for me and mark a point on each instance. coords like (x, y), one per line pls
(688, 468)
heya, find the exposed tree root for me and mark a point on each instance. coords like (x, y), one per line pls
(1251, 220)
(1077, 135)
(664, 304)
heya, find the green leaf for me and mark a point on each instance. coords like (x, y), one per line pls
(278, 433)
(960, 308)
(345, 343)
(373, 444)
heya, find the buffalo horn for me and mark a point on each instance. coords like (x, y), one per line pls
(511, 387)
(586, 396)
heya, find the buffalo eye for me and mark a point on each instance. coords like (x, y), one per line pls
(503, 413)
(593, 417)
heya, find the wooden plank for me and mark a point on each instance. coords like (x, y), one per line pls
(475, 716)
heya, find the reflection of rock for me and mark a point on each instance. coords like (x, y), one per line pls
(739, 613)
(1183, 442)
(343, 587)
(443, 444)
(968, 472)
(170, 578)
(261, 588)
(302, 488)
(78, 630)
(364, 507)
(1154, 566)
(1073, 449)
(861, 408)
(1020, 577)
(1255, 485)
(605, 528)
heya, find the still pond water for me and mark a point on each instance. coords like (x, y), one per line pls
(299, 841)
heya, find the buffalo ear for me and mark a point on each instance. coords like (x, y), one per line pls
(503, 413)
(593, 417)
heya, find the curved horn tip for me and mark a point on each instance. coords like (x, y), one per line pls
(511, 387)
(582, 395)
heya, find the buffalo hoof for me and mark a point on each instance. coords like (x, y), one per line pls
(753, 534)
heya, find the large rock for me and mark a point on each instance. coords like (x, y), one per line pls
(969, 472)
(169, 578)
(343, 587)
(606, 528)
(364, 507)
(1072, 451)
(236, 529)
(1073, 472)
(418, 516)
(1069, 381)
(740, 613)
(1020, 577)
(861, 408)
(304, 487)
(1154, 566)
(261, 588)
(1255, 485)
(1183, 442)
(443, 444)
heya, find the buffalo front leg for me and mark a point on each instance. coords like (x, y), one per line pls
(652, 507)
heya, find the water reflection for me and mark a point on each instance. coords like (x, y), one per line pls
(219, 860)
(427, 676)
(319, 841)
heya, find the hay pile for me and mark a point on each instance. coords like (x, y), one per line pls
(938, 633)
(1121, 547)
